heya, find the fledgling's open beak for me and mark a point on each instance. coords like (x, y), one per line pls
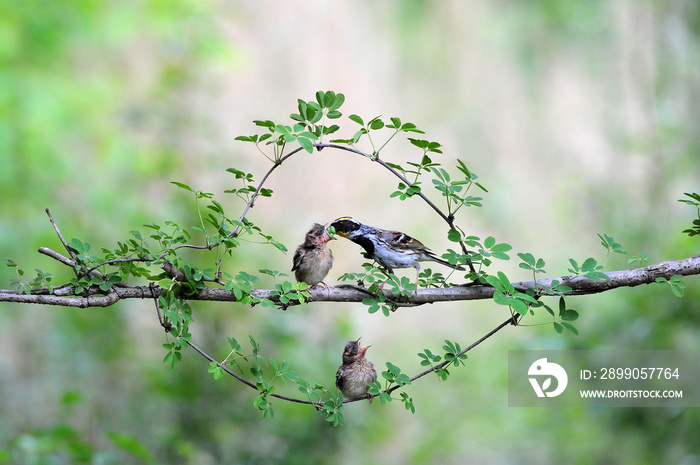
(362, 350)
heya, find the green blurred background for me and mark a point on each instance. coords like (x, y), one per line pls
(579, 117)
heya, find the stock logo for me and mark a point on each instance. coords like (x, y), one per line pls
(546, 371)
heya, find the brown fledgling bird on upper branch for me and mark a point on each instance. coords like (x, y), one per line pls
(356, 372)
(313, 259)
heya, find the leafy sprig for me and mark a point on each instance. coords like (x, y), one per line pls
(563, 317)
(375, 124)
(676, 283)
(693, 200)
(589, 269)
(611, 246)
(392, 377)
(505, 294)
(453, 356)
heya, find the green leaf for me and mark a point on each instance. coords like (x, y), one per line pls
(393, 369)
(677, 284)
(610, 244)
(525, 297)
(260, 402)
(695, 196)
(569, 315)
(574, 266)
(408, 402)
(266, 124)
(596, 276)
(454, 235)
(306, 144)
(356, 119)
(499, 251)
(519, 306)
(282, 129)
(589, 264)
(337, 102)
(376, 124)
(562, 305)
(549, 309)
(501, 299)
(528, 258)
(182, 185)
(420, 143)
(374, 388)
(570, 327)
(216, 370)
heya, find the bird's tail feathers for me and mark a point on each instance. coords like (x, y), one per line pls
(435, 258)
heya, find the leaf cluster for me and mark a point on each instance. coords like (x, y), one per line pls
(694, 201)
(453, 356)
(393, 378)
(268, 372)
(308, 129)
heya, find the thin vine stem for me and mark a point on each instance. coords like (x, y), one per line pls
(255, 195)
(509, 321)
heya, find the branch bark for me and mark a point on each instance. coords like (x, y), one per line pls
(579, 286)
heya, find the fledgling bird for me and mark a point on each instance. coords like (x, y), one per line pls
(391, 249)
(356, 372)
(313, 259)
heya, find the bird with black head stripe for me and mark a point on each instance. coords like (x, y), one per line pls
(391, 249)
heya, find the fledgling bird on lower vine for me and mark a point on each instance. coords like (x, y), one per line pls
(356, 372)
(391, 249)
(313, 259)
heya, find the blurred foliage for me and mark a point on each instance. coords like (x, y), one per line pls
(97, 114)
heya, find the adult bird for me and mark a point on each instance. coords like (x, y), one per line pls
(391, 249)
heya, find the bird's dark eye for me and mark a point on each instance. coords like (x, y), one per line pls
(351, 349)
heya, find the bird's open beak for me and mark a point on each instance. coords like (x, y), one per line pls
(362, 350)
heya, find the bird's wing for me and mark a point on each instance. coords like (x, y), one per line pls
(401, 240)
(339, 381)
(298, 258)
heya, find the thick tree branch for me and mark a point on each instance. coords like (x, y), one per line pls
(579, 286)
